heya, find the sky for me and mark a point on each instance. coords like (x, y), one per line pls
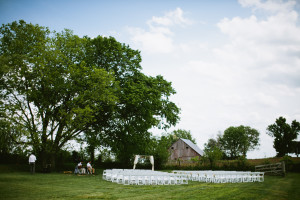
(232, 63)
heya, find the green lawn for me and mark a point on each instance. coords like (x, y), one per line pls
(21, 185)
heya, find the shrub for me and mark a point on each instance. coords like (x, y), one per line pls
(266, 161)
(288, 163)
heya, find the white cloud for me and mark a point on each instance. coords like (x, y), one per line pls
(170, 18)
(280, 28)
(251, 77)
(267, 48)
(269, 5)
(154, 41)
(266, 100)
(159, 36)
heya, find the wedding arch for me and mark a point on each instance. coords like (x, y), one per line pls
(136, 159)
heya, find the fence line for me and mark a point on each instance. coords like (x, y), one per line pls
(272, 169)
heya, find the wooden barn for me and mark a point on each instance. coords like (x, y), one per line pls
(184, 149)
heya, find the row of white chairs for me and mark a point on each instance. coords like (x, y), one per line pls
(223, 176)
(143, 177)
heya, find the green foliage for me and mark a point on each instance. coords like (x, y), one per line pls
(237, 141)
(143, 100)
(9, 158)
(196, 159)
(180, 133)
(295, 147)
(242, 163)
(58, 86)
(159, 146)
(9, 136)
(288, 162)
(172, 137)
(161, 153)
(48, 89)
(266, 161)
(212, 152)
(283, 134)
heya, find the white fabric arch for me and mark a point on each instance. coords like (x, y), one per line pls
(136, 159)
(152, 162)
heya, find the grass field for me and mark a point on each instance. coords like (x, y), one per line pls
(21, 185)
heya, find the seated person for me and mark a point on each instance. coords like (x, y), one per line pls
(82, 169)
(79, 165)
(90, 168)
(76, 171)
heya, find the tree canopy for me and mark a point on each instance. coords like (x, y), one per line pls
(212, 151)
(56, 86)
(143, 101)
(284, 134)
(237, 141)
(180, 133)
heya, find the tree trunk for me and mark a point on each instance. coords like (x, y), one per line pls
(44, 159)
(53, 164)
(93, 156)
(91, 149)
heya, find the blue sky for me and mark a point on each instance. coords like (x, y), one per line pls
(233, 62)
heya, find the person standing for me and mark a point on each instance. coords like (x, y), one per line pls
(32, 160)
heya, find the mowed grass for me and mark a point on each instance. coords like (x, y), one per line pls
(21, 185)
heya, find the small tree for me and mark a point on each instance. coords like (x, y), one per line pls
(283, 134)
(237, 141)
(176, 134)
(212, 154)
(251, 140)
(158, 147)
(296, 147)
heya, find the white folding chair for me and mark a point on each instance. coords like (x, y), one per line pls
(133, 180)
(126, 179)
(160, 179)
(153, 179)
(141, 180)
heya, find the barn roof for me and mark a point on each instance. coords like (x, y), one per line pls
(193, 146)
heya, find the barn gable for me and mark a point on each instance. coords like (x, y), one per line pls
(184, 149)
(193, 146)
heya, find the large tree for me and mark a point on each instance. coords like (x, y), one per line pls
(237, 141)
(143, 101)
(283, 134)
(57, 86)
(48, 90)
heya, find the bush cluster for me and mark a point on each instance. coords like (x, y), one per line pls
(240, 164)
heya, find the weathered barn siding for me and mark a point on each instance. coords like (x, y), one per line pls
(181, 150)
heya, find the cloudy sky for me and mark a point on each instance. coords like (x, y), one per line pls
(233, 62)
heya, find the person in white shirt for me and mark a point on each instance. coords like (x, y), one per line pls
(31, 161)
(79, 165)
(90, 168)
(81, 169)
(77, 168)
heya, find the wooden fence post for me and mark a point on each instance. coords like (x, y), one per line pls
(283, 167)
(273, 169)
